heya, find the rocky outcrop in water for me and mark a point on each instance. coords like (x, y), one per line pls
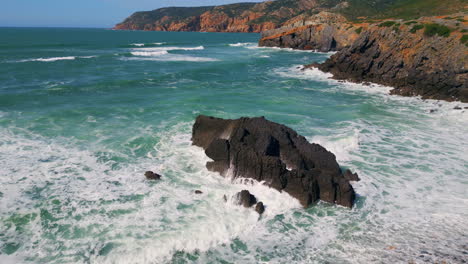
(152, 176)
(245, 198)
(275, 154)
(260, 208)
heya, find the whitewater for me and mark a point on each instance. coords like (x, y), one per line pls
(85, 112)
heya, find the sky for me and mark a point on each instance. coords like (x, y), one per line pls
(84, 13)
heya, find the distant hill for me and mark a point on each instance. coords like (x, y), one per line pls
(257, 17)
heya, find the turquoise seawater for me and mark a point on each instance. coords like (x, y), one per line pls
(85, 112)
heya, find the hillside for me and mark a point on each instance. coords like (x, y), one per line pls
(257, 17)
(241, 17)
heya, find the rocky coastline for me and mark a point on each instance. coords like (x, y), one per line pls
(417, 55)
(427, 57)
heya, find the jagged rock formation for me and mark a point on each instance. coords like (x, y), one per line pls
(411, 61)
(427, 56)
(266, 151)
(322, 32)
(245, 198)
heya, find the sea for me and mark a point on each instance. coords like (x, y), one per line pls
(85, 112)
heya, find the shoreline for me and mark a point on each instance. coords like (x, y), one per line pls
(407, 56)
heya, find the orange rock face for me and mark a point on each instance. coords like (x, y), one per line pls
(243, 17)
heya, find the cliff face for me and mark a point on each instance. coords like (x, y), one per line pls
(242, 17)
(413, 63)
(427, 57)
(322, 32)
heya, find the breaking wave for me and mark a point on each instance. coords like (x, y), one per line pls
(56, 59)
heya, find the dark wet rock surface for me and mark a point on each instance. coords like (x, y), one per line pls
(259, 149)
(245, 198)
(260, 208)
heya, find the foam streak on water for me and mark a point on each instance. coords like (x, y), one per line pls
(77, 135)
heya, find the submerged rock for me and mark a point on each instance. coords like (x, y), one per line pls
(263, 150)
(245, 198)
(152, 176)
(260, 208)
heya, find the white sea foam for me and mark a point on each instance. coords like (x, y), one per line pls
(157, 49)
(163, 54)
(288, 49)
(315, 74)
(242, 44)
(147, 44)
(171, 57)
(149, 53)
(50, 59)
(57, 59)
(343, 146)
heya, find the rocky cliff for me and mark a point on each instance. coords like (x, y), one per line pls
(427, 56)
(431, 62)
(322, 32)
(241, 17)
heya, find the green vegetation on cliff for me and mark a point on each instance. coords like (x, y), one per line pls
(140, 19)
(436, 29)
(405, 9)
(415, 28)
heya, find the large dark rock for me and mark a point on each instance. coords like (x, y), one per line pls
(260, 208)
(266, 151)
(245, 198)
